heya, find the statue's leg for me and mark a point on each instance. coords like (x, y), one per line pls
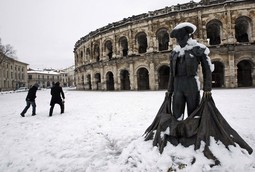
(193, 101)
(192, 94)
(178, 104)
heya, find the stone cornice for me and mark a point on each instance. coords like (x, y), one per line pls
(155, 14)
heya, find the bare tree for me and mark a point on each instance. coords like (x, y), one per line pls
(5, 52)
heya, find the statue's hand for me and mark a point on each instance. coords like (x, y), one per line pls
(169, 94)
(207, 94)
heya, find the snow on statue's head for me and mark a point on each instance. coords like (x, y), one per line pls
(182, 32)
(183, 28)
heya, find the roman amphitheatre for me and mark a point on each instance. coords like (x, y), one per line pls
(133, 53)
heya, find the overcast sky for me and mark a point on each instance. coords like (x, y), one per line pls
(43, 32)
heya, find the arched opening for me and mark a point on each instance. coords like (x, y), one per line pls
(76, 59)
(48, 84)
(143, 79)
(108, 49)
(242, 27)
(218, 75)
(88, 84)
(142, 42)
(98, 81)
(124, 46)
(244, 71)
(87, 54)
(163, 39)
(163, 77)
(124, 80)
(81, 54)
(97, 52)
(213, 30)
(82, 82)
(109, 81)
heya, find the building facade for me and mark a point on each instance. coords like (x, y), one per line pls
(13, 74)
(68, 77)
(45, 78)
(133, 54)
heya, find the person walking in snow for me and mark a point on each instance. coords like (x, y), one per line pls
(183, 79)
(30, 100)
(56, 93)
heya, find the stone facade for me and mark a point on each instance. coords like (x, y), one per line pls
(68, 77)
(45, 78)
(132, 54)
(13, 74)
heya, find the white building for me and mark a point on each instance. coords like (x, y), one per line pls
(45, 78)
(68, 77)
(13, 74)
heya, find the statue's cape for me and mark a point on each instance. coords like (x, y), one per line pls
(205, 122)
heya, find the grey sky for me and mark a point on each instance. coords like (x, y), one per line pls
(43, 32)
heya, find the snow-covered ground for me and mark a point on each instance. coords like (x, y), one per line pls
(102, 131)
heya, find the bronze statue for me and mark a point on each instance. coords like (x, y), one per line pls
(204, 119)
(184, 60)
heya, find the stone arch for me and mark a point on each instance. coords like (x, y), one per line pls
(76, 58)
(81, 53)
(214, 32)
(88, 83)
(244, 73)
(143, 79)
(163, 76)
(123, 44)
(98, 81)
(97, 52)
(124, 80)
(243, 29)
(141, 39)
(108, 49)
(88, 54)
(109, 81)
(163, 39)
(218, 74)
(48, 83)
(79, 57)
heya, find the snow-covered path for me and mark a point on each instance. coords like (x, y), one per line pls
(102, 131)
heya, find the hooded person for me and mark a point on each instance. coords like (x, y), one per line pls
(57, 95)
(30, 100)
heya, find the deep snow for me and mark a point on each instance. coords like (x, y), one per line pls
(102, 131)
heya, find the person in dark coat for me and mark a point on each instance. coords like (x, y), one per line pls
(184, 61)
(56, 93)
(30, 100)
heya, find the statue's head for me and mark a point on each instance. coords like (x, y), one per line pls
(182, 32)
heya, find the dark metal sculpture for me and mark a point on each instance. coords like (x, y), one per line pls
(203, 122)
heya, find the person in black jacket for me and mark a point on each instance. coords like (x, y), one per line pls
(183, 80)
(30, 100)
(56, 93)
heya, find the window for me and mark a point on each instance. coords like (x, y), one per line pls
(242, 29)
(163, 39)
(213, 30)
(142, 42)
(124, 46)
(108, 49)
